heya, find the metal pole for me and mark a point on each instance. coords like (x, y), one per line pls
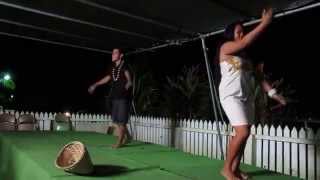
(155, 47)
(212, 93)
(75, 20)
(276, 15)
(134, 128)
(133, 16)
(54, 42)
(44, 29)
(134, 110)
(217, 97)
(219, 31)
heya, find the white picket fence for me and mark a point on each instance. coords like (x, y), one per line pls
(294, 152)
(80, 122)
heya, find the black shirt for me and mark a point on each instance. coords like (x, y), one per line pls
(118, 82)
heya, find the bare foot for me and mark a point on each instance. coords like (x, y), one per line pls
(242, 175)
(229, 175)
(125, 140)
(116, 146)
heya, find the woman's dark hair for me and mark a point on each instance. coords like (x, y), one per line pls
(227, 36)
(229, 31)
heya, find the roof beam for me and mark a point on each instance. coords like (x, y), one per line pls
(140, 18)
(43, 29)
(231, 8)
(70, 19)
(54, 42)
(277, 15)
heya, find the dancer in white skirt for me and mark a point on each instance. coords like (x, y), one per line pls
(236, 90)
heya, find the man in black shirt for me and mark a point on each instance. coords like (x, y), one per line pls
(120, 78)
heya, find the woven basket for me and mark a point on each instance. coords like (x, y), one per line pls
(74, 158)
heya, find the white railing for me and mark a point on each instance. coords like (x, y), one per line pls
(80, 122)
(294, 152)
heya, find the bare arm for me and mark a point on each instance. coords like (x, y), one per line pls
(102, 81)
(272, 93)
(267, 87)
(129, 79)
(233, 47)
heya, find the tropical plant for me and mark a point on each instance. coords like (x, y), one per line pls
(187, 94)
(145, 91)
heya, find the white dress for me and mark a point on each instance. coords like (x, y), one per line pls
(236, 90)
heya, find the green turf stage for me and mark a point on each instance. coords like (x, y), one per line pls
(31, 156)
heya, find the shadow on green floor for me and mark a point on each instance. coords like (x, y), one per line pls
(111, 170)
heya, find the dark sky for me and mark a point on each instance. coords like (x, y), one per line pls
(52, 78)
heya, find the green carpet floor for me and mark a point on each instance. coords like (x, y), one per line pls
(31, 156)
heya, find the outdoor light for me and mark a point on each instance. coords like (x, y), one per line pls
(7, 77)
(67, 114)
(12, 96)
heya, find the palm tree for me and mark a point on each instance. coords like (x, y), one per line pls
(145, 91)
(187, 94)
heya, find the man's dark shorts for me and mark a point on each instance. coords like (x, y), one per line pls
(120, 111)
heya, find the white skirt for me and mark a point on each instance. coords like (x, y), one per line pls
(239, 112)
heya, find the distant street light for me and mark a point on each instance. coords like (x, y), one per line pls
(7, 77)
(6, 81)
(67, 114)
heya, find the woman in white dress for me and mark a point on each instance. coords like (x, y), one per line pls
(236, 90)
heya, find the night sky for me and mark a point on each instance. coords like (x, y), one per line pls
(53, 78)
